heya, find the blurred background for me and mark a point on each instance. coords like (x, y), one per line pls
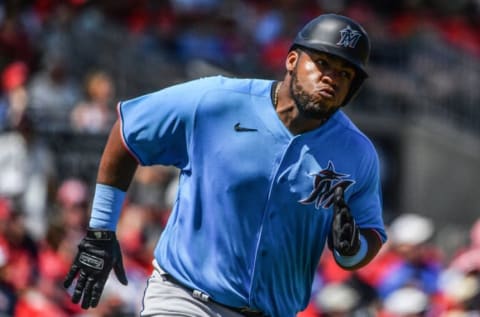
(65, 64)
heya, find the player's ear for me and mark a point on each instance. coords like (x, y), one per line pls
(291, 60)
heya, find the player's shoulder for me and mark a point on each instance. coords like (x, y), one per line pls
(352, 131)
(196, 89)
(222, 84)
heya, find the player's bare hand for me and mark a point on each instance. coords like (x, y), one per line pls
(98, 253)
(345, 233)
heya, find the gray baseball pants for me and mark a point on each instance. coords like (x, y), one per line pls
(164, 298)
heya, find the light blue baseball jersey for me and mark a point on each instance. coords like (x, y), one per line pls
(254, 204)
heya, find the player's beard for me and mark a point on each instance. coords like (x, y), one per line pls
(306, 103)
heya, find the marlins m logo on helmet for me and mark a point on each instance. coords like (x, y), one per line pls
(349, 37)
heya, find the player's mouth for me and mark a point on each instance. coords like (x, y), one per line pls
(327, 92)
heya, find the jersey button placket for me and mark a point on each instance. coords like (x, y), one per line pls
(262, 251)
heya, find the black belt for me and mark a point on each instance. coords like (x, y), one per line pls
(245, 311)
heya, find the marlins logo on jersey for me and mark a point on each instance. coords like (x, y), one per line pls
(324, 184)
(349, 37)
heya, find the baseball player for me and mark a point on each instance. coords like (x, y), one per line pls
(270, 172)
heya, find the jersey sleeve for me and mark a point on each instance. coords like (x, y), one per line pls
(366, 202)
(156, 127)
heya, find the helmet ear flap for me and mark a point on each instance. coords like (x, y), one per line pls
(354, 88)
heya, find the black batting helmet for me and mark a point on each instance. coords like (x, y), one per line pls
(340, 36)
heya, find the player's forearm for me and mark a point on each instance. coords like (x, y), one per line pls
(115, 173)
(117, 166)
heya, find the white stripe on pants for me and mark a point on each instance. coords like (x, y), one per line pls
(164, 298)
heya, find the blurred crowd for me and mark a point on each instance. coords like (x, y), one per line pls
(411, 277)
(424, 59)
(36, 250)
(65, 64)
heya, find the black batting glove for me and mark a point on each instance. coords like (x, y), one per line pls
(345, 233)
(98, 253)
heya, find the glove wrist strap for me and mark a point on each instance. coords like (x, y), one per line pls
(349, 261)
(99, 234)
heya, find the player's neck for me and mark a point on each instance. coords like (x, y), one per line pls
(288, 112)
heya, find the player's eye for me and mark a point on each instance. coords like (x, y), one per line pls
(346, 74)
(321, 62)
